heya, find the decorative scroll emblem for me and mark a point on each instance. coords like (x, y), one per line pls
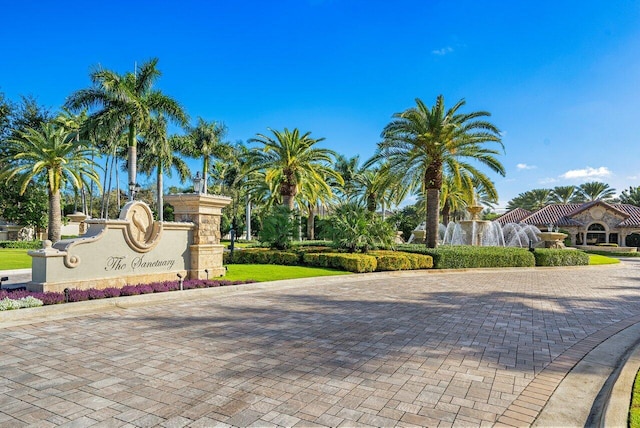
(597, 213)
(142, 232)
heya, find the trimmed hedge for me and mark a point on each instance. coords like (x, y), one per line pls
(398, 260)
(321, 256)
(357, 263)
(262, 256)
(21, 245)
(463, 257)
(553, 257)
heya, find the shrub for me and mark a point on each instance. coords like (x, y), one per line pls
(49, 297)
(8, 304)
(76, 295)
(263, 256)
(398, 260)
(21, 245)
(279, 227)
(111, 292)
(610, 244)
(462, 257)
(355, 229)
(129, 290)
(553, 257)
(357, 263)
(96, 294)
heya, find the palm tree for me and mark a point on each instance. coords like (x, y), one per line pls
(564, 194)
(421, 144)
(290, 160)
(595, 190)
(158, 152)
(127, 102)
(631, 196)
(531, 200)
(205, 141)
(348, 168)
(56, 154)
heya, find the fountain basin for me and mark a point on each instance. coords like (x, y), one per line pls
(552, 239)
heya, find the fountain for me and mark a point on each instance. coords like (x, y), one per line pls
(475, 228)
(552, 238)
(479, 232)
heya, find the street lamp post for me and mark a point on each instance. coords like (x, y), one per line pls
(133, 189)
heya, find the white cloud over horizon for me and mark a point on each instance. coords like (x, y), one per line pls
(587, 172)
(522, 166)
(443, 51)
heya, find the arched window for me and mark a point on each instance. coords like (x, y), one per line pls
(596, 234)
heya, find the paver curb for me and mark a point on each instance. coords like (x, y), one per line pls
(564, 393)
(616, 412)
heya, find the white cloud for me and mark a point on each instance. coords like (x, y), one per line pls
(442, 51)
(525, 166)
(587, 172)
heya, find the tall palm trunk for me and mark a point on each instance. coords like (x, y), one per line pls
(372, 202)
(446, 211)
(433, 184)
(311, 223)
(160, 193)
(205, 173)
(55, 217)
(132, 162)
(288, 200)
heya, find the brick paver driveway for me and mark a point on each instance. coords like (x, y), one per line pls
(461, 348)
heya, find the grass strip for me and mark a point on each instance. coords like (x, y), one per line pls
(261, 273)
(597, 259)
(634, 409)
(13, 258)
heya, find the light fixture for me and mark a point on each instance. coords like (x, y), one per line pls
(198, 183)
(133, 189)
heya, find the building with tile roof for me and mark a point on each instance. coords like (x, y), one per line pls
(588, 223)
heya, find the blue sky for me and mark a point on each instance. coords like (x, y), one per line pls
(561, 79)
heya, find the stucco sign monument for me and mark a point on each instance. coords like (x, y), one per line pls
(136, 248)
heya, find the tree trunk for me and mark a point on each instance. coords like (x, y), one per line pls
(160, 200)
(55, 217)
(248, 218)
(433, 214)
(446, 210)
(311, 223)
(288, 201)
(132, 159)
(433, 184)
(371, 203)
(205, 173)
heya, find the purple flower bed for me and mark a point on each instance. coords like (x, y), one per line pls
(75, 295)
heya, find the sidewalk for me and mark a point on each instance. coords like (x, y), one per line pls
(16, 277)
(509, 347)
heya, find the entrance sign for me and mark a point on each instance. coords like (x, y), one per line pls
(136, 249)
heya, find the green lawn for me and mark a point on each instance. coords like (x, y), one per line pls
(14, 259)
(275, 272)
(634, 410)
(596, 259)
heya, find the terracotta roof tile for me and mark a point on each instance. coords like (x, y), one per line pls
(556, 214)
(513, 216)
(634, 215)
(560, 214)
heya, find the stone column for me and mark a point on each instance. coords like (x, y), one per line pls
(205, 211)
